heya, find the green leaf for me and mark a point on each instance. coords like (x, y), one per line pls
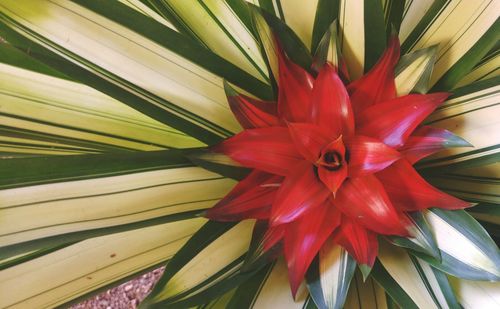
(393, 12)
(177, 91)
(374, 32)
(467, 251)
(479, 184)
(396, 292)
(362, 34)
(291, 43)
(245, 293)
(219, 28)
(267, 44)
(415, 277)
(470, 59)
(213, 254)
(416, 17)
(12, 56)
(56, 200)
(274, 291)
(487, 68)
(328, 49)
(329, 276)
(326, 12)
(15, 173)
(413, 72)
(476, 294)
(471, 114)
(457, 26)
(217, 163)
(367, 294)
(148, 11)
(52, 110)
(25, 257)
(76, 270)
(422, 239)
(300, 15)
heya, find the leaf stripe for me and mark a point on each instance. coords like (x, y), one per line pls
(235, 42)
(106, 76)
(425, 281)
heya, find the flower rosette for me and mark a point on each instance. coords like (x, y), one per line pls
(333, 160)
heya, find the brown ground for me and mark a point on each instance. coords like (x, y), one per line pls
(125, 296)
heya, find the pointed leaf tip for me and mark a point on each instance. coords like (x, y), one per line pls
(365, 270)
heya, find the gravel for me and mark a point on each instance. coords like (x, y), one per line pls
(125, 296)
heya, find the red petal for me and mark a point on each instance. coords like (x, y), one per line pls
(368, 155)
(428, 140)
(378, 84)
(267, 149)
(331, 108)
(273, 235)
(295, 85)
(250, 198)
(361, 243)
(408, 191)
(252, 113)
(332, 179)
(393, 121)
(300, 192)
(364, 200)
(304, 238)
(309, 139)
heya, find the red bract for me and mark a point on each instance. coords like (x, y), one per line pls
(333, 161)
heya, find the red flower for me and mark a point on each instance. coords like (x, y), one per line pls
(333, 161)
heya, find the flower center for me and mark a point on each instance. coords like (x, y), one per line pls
(333, 160)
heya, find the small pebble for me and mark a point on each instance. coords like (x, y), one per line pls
(125, 296)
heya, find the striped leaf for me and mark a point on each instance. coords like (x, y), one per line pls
(213, 254)
(295, 49)
(328, 49)
(329, 276)
(391, 287)
(422, 239)
(487, 213)
(416, 278)
(393, 12)
(148, 11)
(413, 13)
(75, 271)
(474, 294)
(471, 58)
(218, 27)
(243, 296)
(367, 294)
(52, 109)
(362, 34)
(487, 68)
(48, 201)
(471, 114)
(12, 56)
(218, 163)
(326, 12)
(273, 291)
(458, 27)
(300, 15)
(467, 251)
(161, 78)
(479, 184)
(267, 42)
(413, 72)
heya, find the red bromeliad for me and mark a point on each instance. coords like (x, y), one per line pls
(334, 161)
